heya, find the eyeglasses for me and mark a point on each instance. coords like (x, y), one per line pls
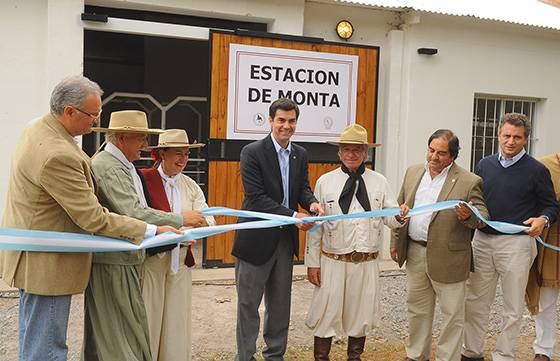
(91, 115)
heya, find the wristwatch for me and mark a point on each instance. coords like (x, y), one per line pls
(546, 219)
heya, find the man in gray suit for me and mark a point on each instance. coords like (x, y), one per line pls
(437, 247)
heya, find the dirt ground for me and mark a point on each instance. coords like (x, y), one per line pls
(214, 313)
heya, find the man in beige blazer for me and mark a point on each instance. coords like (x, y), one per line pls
(437, 247)
(51, 188)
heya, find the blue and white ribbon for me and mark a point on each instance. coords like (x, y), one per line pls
(47, 241)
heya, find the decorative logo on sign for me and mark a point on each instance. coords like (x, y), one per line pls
(259, 119)
(328, 122)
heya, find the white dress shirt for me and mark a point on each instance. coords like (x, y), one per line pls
(427, 193)
(117, 153)
(284, 163)
(508, 162)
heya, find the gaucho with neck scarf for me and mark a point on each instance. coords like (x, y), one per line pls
(341, 256)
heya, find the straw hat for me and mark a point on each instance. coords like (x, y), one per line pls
(128, 121)
(175, 138)
(354, 134)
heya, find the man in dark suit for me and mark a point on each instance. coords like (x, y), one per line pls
(275, 180)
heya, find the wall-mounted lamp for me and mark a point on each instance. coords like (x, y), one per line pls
(344, 29)
(427, 51)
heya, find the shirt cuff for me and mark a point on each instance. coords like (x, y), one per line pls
(295, 214)
(150, 230)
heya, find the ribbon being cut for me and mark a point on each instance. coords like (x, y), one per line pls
(48, 241)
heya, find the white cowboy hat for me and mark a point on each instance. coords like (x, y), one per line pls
(175, 138)
(354, 134)
(128, 121)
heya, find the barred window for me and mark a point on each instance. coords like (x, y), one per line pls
(488, 110)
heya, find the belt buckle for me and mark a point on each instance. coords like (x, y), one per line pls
(355, 259)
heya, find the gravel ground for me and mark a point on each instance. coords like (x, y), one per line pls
(214, 313)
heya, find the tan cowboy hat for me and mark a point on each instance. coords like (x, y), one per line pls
(128, 121)
(175, 138)
(354, 134)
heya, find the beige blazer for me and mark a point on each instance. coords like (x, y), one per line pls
(51, 188)
(449, 251)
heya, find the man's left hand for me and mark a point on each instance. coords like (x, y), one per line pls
(537, 225)
(317, 209)
(463, 212)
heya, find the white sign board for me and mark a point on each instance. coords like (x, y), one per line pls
(322, 84)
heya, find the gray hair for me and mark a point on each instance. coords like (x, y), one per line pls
(111, 137)
(72, 91)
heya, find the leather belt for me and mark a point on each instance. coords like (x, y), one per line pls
(422, 243)
(355, 257)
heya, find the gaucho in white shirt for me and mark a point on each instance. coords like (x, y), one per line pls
(345, 269)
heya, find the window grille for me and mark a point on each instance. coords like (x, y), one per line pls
(487, 113)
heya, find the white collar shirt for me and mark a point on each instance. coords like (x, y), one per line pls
(508, 162)
(117, 153)
(284, 163)
(427, 193)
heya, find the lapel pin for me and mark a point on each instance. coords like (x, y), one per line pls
(453, 180)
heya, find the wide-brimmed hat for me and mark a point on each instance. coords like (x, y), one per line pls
(128, 121)
(354, 134)
(175, 138)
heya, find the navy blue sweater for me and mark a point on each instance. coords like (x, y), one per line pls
(516, 193)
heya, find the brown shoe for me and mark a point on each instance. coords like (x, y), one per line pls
(355, 348)
(465, 358)
(322, 348)
(541, 357)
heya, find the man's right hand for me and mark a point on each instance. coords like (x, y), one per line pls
(394, 255)
(163, 229)
(314, 275)
(193, 219)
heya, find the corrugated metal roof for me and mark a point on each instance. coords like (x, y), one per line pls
(525, 12)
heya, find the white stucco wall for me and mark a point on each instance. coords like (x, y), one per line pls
(282, 16)
(480, 57)
(419, 94)
(40, 42)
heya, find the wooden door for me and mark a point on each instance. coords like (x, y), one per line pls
(224, 180)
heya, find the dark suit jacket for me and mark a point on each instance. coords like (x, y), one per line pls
(262, 183)
(449, 252)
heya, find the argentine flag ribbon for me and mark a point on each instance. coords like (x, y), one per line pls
(47, 241)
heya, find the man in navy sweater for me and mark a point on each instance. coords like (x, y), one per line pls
(517, 190)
